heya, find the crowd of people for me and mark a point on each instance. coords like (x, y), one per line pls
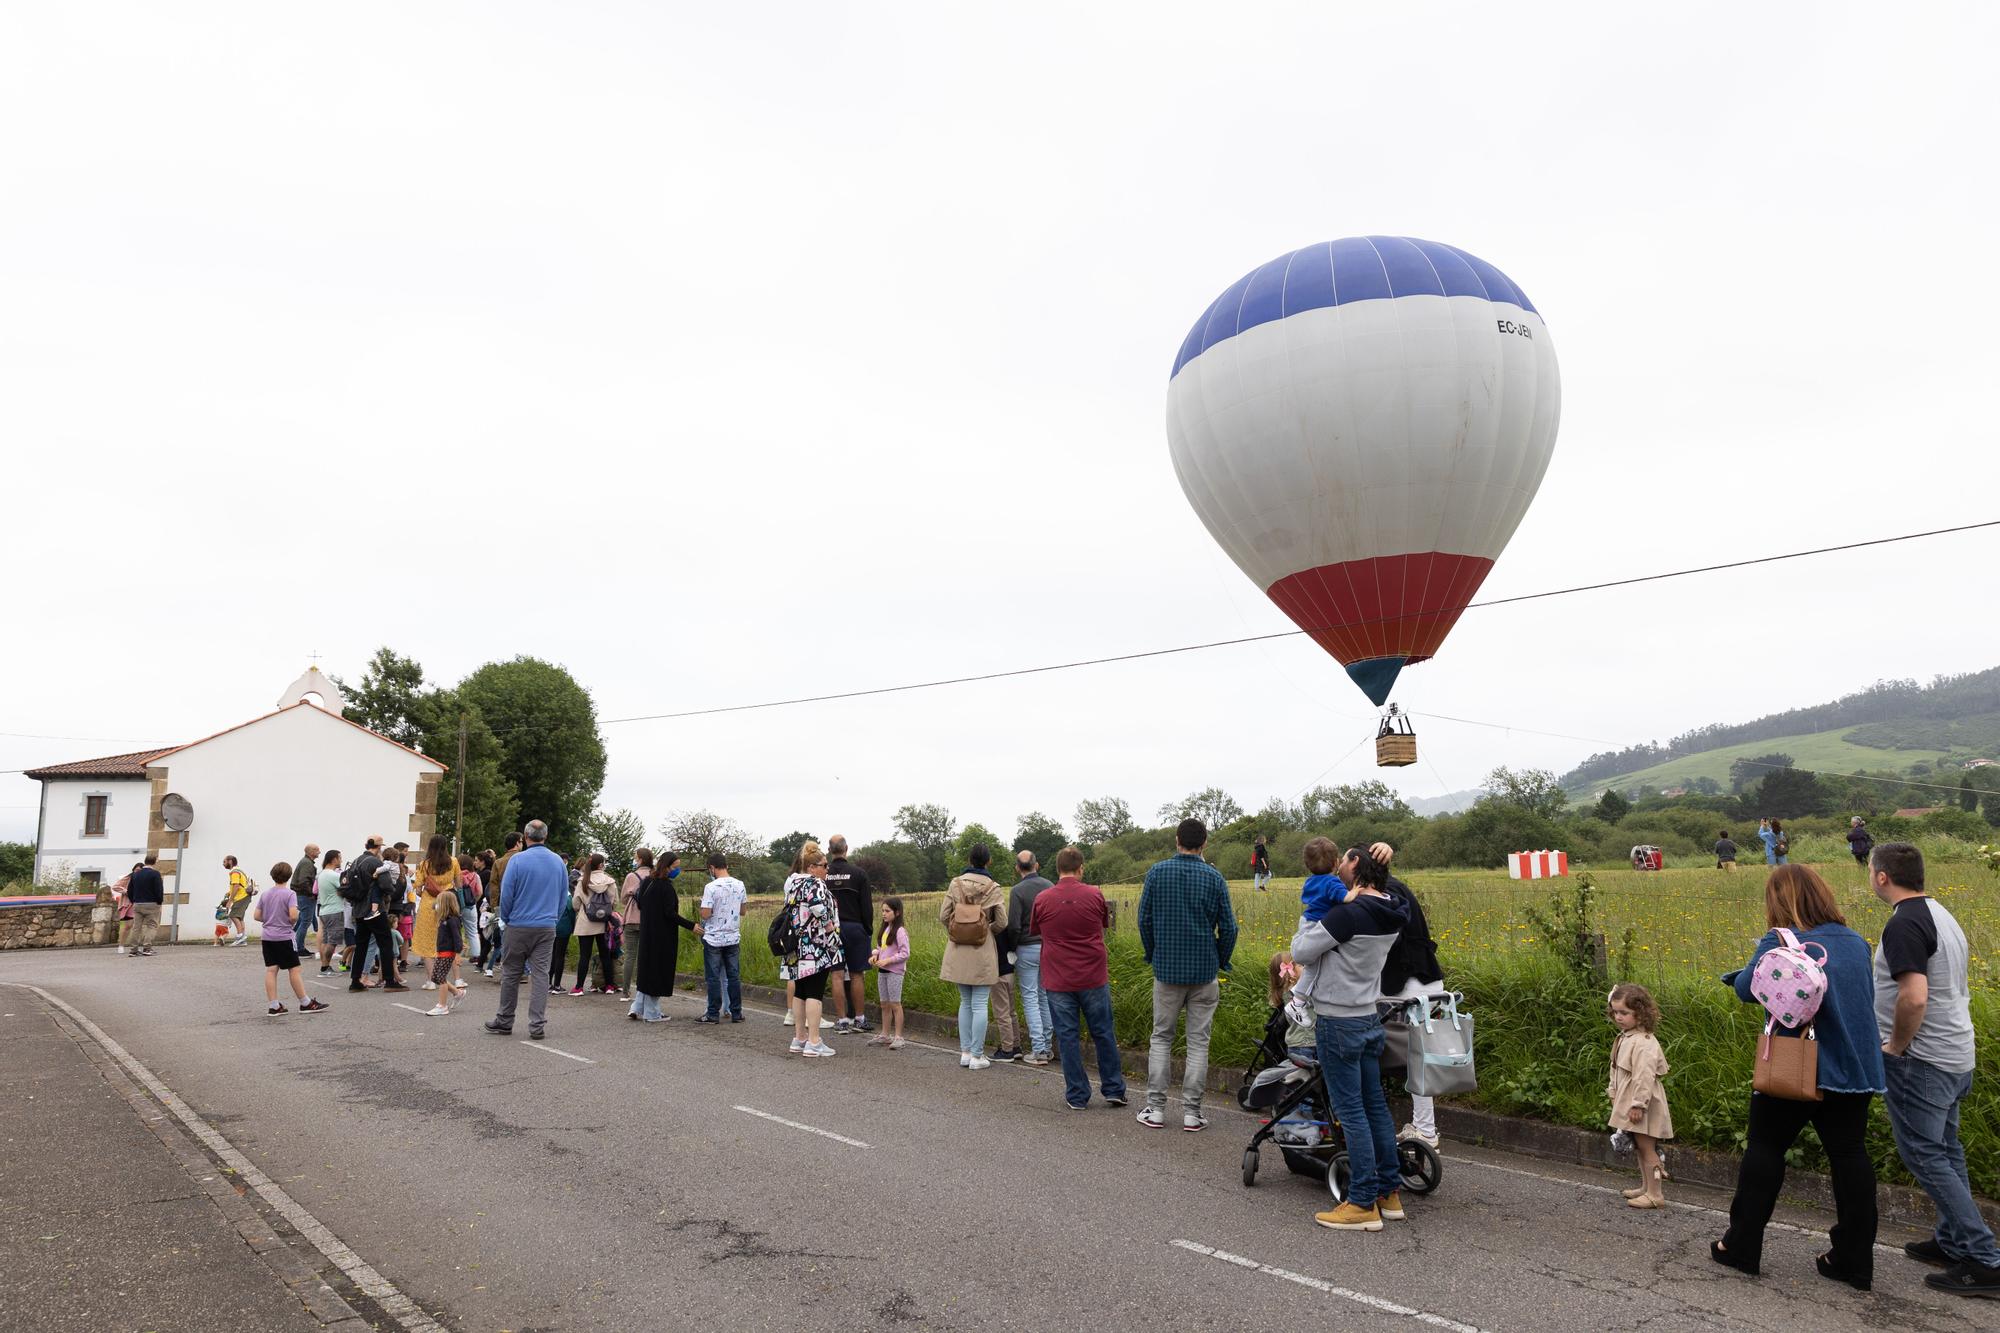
(1894, 1024)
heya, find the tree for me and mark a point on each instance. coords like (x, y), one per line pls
(696, 833)
(928, 828)
(1103, 819)
(782, 850)
(1533, 789)
(1746, 771)
(1791, 793)
(1989, 806)
(1611, 807)
(1213, 806)
(616, 833)
(1968, 795)
(391, 698)
(549, 745)
(904, 864)
(17, 863)
(1704, 787)
(1038, 833)
(1323, 805)
(1001, 865)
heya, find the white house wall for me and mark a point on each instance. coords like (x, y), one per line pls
(262, 792)
(63, 850)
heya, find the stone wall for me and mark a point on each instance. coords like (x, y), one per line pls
(34, 925)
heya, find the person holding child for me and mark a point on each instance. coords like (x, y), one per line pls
(1638, 1097)
(1344, 952)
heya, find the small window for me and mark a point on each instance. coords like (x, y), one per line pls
(91, 879)
(93, 815)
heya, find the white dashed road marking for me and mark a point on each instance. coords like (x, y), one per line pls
(553, 1051)
(1344, 1293)
(810, 1129)
(412, 1008)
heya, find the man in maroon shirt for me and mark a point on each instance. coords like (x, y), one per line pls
(1071, 917)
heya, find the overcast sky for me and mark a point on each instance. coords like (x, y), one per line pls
(724, 353)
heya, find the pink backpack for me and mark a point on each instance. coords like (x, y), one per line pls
(1789, 982)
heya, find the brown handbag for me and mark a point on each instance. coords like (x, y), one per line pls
(1788, 1067)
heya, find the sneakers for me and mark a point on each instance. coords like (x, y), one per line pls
(862, 1024)
(825, 1023)
(897, 1043)
(275, 1010)
(818, 1050)
(1349, 1217)
(498, 1030)
(1930, 1252)
(557, 990)
(1036, 1058)
(430, 985)
(785, 1018)
(1194, 1122)
(1006, 1055)
(535, 1034)
(1967, 1278)
(121, 951)
(980, 1062)
(487, 973)
(965, 1059)
(707, 1018)
(736, 1018)
(395, 986)
(1390, 1206)
(436, 1011)
(239, 941)
(1119, 1100)
(1152, 1117)
(326, 971)
(314, 1006)
(844, 1025)
(798, 1046)
(573, 990)
(1411, 1132)
(878, 1040)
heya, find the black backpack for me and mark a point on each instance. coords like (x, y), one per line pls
(353, 888)
(783, 936)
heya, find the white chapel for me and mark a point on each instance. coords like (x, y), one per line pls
(260, 791)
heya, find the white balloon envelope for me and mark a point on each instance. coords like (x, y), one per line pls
(1361, 425)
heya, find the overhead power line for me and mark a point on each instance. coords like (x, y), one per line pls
(1281, 634)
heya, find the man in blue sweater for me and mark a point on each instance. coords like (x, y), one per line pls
(531, 898)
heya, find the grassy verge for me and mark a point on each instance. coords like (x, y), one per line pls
(1543, 1042)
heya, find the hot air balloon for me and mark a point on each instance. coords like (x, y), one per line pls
(1361, 425)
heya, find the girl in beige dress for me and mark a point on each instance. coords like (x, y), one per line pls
(1637, 1091)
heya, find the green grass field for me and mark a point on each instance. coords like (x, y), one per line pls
(1543, 1040)
(1824, 751)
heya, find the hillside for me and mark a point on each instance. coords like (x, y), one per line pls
(1888, 726)
(1826, 752)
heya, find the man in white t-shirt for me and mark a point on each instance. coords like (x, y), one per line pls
(722, 939)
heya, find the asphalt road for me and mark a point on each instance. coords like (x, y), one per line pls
(626, 1176)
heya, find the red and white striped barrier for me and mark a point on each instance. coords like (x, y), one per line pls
(1537, 865)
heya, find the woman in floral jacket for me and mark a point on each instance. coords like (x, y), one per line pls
(817, 922)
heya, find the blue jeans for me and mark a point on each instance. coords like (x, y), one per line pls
(308, 914)
(1350, 1055)
(646, 1006)
(972, 1019)
(1035, 1000)
(722, 964)
(1923, 1110)
(1095, 1008)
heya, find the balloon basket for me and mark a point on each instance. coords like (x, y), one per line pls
(1396, 741)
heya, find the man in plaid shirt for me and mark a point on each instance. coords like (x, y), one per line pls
(1189, 931)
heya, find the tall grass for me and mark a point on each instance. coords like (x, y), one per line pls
(1543, 1041)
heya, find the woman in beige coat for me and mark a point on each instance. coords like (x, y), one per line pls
(590, 933)
(972, 912)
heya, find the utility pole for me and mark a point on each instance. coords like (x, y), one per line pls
(458, 824)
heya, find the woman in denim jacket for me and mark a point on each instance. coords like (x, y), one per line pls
(1850, 1075)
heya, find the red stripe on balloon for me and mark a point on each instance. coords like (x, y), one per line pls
(1391, 606)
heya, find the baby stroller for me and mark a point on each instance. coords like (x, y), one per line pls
(1287, 1092)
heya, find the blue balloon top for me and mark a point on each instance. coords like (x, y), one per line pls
(1356, 268)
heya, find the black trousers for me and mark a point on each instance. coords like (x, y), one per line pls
(1841, 1120)
(378, 931)
(607, 972)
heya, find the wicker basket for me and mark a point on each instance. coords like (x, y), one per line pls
(1395, 750)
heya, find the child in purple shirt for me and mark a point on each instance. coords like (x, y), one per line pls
(276, 912)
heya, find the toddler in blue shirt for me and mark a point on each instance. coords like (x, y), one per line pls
(1318, 896)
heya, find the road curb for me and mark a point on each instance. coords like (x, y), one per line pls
(1902, 1205)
